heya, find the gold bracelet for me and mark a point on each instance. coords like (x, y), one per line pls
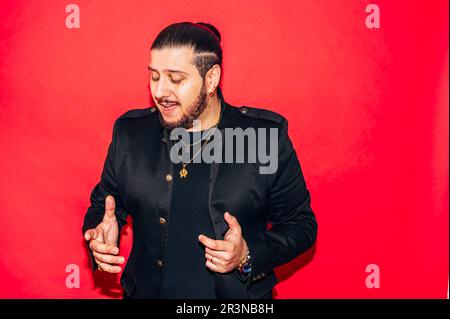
(243, 259)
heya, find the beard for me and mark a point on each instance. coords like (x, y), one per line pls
(192, 113)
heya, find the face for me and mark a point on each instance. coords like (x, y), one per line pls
(176, 86)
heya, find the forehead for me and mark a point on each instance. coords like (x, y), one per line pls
(173, 58)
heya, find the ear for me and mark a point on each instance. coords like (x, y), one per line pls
(212, 78)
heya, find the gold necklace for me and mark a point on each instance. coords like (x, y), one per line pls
(204, 137)
(183, 171)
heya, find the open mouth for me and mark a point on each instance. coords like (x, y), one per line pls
(168, 107)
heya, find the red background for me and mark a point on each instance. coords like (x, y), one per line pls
(368, 113)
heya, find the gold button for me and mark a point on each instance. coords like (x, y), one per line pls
(168, 177)
(160, 263)
(162, 220)
(244, 110)
(153, 109)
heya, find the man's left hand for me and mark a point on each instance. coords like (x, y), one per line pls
(224, 255)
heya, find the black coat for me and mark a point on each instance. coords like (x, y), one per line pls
(136, 173)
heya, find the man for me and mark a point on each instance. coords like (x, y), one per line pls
(200, 229)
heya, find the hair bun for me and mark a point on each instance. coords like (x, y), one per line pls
(212, 28)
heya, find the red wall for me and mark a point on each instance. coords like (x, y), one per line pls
(368, 113)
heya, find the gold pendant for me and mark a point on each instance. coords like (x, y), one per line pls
(183, 172)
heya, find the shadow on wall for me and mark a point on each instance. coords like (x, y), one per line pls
(285, 271)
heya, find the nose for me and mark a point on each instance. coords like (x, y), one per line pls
(161, 90)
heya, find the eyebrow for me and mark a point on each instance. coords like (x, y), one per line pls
(168, 70)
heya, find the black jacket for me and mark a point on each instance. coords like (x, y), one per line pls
(136, 172)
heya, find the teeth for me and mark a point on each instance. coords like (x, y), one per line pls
(168, 105)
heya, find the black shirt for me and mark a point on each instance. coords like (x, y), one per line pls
(186, 275)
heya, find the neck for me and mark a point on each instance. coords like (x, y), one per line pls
(209, 117)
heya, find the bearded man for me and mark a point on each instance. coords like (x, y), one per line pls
(201, 229)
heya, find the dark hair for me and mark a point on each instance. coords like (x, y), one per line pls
(204, 38)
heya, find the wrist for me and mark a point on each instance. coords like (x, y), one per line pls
(245, 252)
(244, 265)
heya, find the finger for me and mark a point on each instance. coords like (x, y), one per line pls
(99, 264)
(216, 261)
(211, 266)
(90, 234)
(109, 259)
(222, 255)
(109, 268)
(110, 206)
(232, 221)
(215, 244)
(103, 248)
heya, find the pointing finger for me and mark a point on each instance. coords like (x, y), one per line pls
(215, 244)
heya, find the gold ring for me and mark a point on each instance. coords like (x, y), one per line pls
(211, 258)
(100, 266)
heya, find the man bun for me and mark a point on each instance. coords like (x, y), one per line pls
(212, 28)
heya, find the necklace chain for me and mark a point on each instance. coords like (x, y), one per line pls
(183, 171)
(207, 140)
(204, 137)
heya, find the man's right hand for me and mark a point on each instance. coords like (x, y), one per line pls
(103, 240)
